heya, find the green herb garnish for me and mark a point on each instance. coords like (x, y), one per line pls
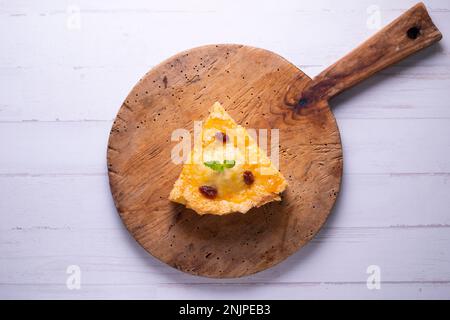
(228, 163)
(217, 166)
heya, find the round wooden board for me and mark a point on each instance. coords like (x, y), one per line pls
(251, 84)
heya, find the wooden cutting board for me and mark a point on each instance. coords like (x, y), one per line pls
(260, 90)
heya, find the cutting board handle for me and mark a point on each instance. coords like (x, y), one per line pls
(409, 33)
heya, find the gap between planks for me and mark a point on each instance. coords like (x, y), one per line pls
(68, 228)
(105, 174)
(281, 283)
(81, 121)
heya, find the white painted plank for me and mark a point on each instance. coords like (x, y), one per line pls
(395, 146)
(393, 207)
(55, 80)
(96, 93)
(111, 40)
(80, 202)
(370, 146)
(56, 147)
(145, 31)
(105, 256)
(57, 93)
(25, 6)
(230, 292)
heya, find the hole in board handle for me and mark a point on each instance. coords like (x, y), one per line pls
(413, 32)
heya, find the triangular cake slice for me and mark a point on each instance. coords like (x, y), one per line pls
(226, 171)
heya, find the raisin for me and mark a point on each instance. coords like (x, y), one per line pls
(208, 191)
(249, 178)
(222, 137)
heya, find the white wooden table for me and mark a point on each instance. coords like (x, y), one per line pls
(65, 68)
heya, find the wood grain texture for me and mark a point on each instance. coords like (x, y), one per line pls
(224, 73)
(61, 90)
(329, 257)
(90, 195)
(412, 31)
(33, 69)
(251, 84)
